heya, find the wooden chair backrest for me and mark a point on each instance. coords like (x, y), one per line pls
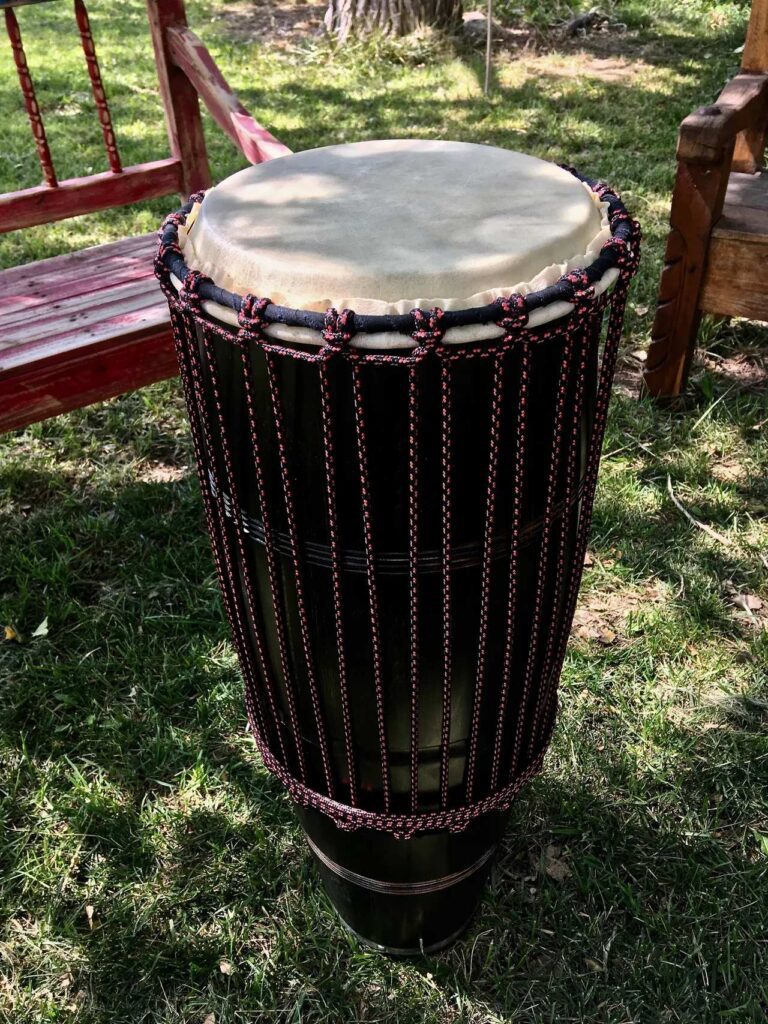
(184, 171)
(755, 54)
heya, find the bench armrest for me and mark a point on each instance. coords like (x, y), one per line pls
(741, 106)
(188, 53)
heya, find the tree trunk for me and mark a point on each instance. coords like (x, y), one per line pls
(392, 17)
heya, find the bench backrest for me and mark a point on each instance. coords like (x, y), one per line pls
(755, 53)
(184, 171)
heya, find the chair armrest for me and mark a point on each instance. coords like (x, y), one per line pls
(189, 54)
(742, 105)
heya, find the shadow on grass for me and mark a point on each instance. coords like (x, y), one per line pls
(123, 733)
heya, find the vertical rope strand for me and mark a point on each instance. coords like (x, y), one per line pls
(373, 598)
(333, 535)
(445, 458)
(551, 670)
(413, 574)
(278, 604)
(186, 345)
(518, 471)
(485, 592)
(97, 86)
(607, 367)
(237, 520)
(546, 532)
(290, 511)
(30, 98)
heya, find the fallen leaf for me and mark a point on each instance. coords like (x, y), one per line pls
(554, 866)
(11, 634)
(588, 560)
(225, 967)
(606, 637)
(593, 965)
(42, 629)
(210, 1019)
(749, 602)
(89, 914)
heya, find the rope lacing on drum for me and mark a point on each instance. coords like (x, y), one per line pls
(161, 271)
(427, 328)
(189, 293)
(583, 291)
(252, 319)
(602, 189)
(514, 315)
(339, 329)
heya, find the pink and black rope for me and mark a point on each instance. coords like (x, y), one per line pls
(524, 694)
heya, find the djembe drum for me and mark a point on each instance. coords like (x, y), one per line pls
(398, 497)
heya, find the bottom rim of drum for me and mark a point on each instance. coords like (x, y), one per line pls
(397, 951)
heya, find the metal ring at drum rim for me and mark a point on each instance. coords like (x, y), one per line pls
(624, 230)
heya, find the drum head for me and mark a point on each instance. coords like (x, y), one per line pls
(387, 226)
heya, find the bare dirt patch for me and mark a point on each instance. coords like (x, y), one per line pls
(747, 370)
(585, 65)
(280, 24)
(602, 615)
(161, 473)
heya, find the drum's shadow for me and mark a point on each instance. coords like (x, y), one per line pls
(128, 758)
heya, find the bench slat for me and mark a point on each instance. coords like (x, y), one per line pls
(79, 328)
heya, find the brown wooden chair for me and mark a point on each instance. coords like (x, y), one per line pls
(716, 260)
(105, 328)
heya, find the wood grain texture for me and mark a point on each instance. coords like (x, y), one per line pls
(741, 106)
(755, 55)
(697, 202)
(180, 103)
(737, 274)
(252, 139)
(97, 86)
(43, 205)
(30, 99)
(80, 328)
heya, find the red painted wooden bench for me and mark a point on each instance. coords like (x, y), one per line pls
(106, 328)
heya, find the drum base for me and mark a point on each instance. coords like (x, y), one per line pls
(438, 947)
(404, 897)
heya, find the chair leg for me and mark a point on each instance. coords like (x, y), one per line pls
(697, 202)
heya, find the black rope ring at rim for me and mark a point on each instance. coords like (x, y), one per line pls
(619, 252)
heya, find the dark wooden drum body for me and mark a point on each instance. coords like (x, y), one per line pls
(434, 432)
(399, 536)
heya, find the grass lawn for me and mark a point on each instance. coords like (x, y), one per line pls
(150, 869)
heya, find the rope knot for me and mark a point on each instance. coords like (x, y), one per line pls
(252, 318)
(583, 291)
(619, 250)
(161, 270)
(426, 327)
(189, 293)
(602, 189)
(514, 314)
(172, 220)
(197, 197)
(339, 328)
